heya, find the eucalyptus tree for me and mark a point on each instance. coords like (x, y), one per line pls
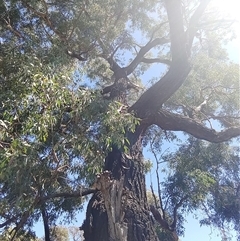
(200, 179)
(74, 104)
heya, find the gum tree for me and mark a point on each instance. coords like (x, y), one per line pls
(74, 104)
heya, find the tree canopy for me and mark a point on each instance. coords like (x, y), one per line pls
(85, 85)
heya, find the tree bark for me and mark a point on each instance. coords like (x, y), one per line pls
(119, 210)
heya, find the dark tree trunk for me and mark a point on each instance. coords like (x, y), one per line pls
(46, 224)
(119, 210)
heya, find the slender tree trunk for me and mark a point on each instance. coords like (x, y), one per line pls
(119, 210)
(45, 222)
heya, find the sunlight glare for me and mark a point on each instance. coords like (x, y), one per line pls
(230, 10)
(228, 7)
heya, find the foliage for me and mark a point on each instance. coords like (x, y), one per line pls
(75, 233)
(208, 80)
(22, 236)
(53, 136)
(57, 125)
(200, 176)
(59, 233)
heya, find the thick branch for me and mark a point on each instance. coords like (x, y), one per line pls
(118, 72)
(151, 101)
(177, 35)
(175, 122)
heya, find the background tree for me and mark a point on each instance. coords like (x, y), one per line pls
(75, 233)
(73, 105)
(59, 233)
(22, 236)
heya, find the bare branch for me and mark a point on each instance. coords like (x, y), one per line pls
(73, 27)
(122, 73)
(160, 193)
(4, 144)
(38, 200)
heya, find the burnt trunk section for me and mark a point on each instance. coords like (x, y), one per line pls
(120, 212)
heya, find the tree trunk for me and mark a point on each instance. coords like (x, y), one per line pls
(46, 224)
(119, 210)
